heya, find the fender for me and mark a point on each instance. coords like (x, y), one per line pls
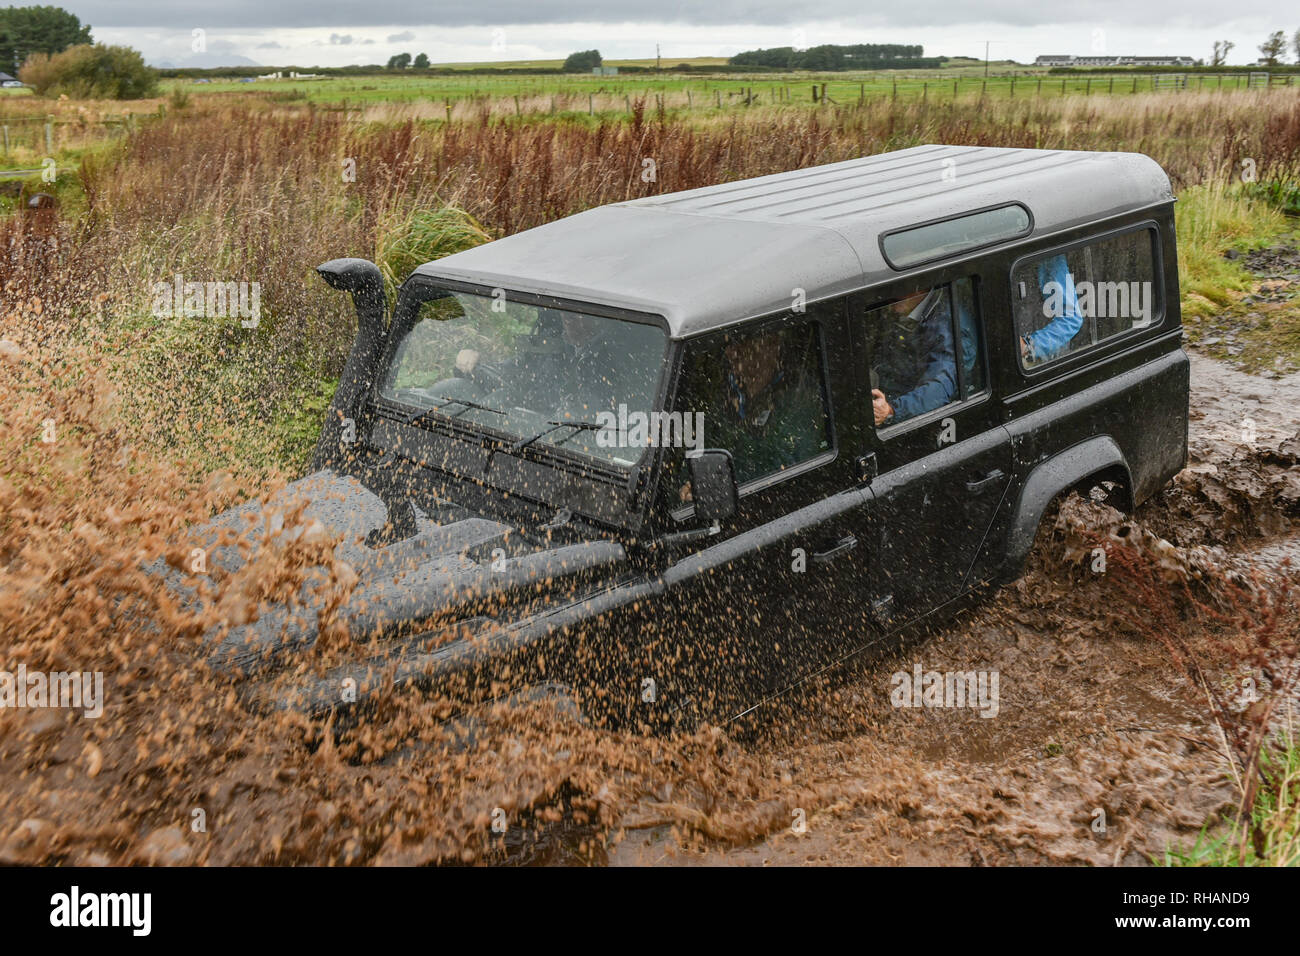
(1048, 479)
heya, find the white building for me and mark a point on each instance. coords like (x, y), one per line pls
(1071, 60)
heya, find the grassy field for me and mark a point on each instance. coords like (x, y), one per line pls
(683, 91)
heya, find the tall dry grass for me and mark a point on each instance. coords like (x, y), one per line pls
(225, 191)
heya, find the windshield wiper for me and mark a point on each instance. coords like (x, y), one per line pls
(447, 400)
(555, 426)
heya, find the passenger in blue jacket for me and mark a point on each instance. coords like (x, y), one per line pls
(1055, 337)
(915, 371)
(915, 366)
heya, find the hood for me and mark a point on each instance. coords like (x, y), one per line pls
(455, 566)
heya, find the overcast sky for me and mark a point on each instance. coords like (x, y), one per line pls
(337, 33)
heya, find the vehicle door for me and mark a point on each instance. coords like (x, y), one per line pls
(942, 459)
(760, 603)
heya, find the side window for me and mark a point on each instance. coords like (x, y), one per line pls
(926, 352)
(760, 394)
(1069, 301)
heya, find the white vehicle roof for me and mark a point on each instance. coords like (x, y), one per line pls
(710, 257)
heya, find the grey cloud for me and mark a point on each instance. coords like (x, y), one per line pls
(406, 36)
(341, 39)
(231, 14)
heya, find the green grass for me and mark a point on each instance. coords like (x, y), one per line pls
(1272, 836)
(960, 83)
(1212, 220)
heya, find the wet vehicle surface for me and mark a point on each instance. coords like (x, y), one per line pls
(569, 447)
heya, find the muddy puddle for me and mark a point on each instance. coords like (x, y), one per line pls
(1094, 725)
(1093, 748)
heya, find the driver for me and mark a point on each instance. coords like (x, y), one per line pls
(566, 365)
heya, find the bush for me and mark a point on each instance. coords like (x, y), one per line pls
(90, 72)
(583, 62)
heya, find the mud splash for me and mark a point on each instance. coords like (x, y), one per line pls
(1102, 752)
(1094, 722)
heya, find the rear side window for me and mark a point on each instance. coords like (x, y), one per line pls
(925, 352)
(1074, 299)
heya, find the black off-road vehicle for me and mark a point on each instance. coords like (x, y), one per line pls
(688, 450)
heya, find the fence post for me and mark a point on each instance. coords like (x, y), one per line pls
(6, 132)
(49, 135)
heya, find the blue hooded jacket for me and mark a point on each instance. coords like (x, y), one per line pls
(1053, 338)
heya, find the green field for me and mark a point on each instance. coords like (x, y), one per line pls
(584, 93)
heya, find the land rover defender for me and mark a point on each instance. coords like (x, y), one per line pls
(678, 453)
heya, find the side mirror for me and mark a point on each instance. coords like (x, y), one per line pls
(713, 485)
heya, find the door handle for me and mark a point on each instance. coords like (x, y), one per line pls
(979, 484)
(844, 545)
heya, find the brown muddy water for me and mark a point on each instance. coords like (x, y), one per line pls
(1094, 724)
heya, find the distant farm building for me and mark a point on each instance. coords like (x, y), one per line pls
(1066, 60)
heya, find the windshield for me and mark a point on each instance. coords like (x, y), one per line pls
(546, 376)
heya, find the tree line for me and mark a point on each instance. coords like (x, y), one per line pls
(832, 57)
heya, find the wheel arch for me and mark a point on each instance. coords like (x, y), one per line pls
(1078, 467)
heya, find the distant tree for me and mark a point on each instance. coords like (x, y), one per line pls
(28, 30)
(1271, 50)
(1295, 45)
(583, 62)
(399, 61)
(833, 56)
(1221, 49)
(421, 61)
(90, 72)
